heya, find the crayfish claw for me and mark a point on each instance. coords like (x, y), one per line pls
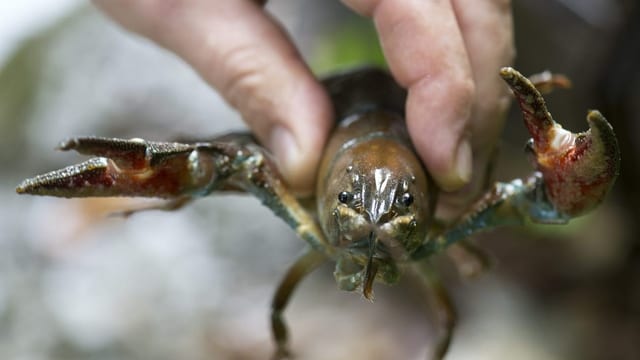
(578, 178)
(72, 181)
(126, 168)
(126, 153)
(536, 116)
(578, 169)
(605, 143)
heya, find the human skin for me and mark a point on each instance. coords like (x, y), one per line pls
(446, 53)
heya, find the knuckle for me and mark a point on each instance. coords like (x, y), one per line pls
(243, 78)
(464, 87)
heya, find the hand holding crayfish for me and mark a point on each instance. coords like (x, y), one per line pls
(455, 101)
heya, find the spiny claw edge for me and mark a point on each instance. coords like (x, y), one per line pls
(78, 180)
(578, 169)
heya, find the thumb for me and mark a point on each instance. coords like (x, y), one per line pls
(238, 48)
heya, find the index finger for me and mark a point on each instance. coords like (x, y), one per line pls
(426, 54)
(244, 53)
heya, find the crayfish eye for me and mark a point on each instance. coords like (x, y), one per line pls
(344, 197)
(406, 199)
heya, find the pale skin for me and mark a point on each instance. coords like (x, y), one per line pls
(446, 53)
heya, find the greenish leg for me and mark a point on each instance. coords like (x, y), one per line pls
(442, 305)
(301, 268)
(512, 203)
(469, 259)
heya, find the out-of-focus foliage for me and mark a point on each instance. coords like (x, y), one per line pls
(352, 44)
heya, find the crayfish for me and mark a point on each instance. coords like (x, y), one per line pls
(374, 200)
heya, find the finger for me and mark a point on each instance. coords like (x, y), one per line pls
(483, 23)
(426, 54)
(241, 51)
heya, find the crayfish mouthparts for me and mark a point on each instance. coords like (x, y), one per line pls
(371, 268)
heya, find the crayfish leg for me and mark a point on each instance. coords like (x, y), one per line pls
(440, 301)
(168, 205)
(546, 81)
(306, 264)
(512, 203)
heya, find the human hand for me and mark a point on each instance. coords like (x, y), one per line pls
(446, 53)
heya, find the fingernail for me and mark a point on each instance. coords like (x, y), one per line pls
(284, 147)
(460, 173)
(464, 161)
